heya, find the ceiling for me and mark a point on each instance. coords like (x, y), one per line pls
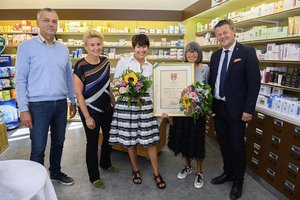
(177, 5)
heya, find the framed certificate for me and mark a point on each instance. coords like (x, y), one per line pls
(169, 79)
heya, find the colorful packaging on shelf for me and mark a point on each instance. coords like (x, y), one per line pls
(5, 83)
(4, 72)
(13, 93)
(3, 137)
(6, 95)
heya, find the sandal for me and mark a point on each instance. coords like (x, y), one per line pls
(136, 177)
(161, 184)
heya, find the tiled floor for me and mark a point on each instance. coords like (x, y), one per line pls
(119, 186)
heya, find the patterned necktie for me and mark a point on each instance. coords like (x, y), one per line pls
(223, 75)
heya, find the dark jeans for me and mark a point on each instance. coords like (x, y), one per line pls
(45, 114)
(102, 120)
(230, 135)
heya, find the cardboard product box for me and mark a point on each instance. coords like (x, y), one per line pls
(285, 107)
(293, 109)
(289, 4)
(296, 25)
(277, 91)
(291, 21)
(3, 137)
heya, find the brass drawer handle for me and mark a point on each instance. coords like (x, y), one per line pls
(275, 139)
(289, 185)
(273, 156)
(260, 116)
(271, 172)
(296, 149)
(278, 122)
(293, 168)
(256, 146)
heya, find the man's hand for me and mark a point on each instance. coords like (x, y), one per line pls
(246, 117)
(26, 119)
(72, 110)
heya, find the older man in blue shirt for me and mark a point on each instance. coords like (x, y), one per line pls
(43, 83)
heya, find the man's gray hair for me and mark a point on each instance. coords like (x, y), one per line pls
(44, 9)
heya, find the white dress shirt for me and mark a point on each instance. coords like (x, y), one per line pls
(217, 85)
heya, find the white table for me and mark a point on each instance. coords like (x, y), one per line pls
(24, 179)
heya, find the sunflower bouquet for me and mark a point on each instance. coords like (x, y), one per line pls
(196, 100)
(131, 85)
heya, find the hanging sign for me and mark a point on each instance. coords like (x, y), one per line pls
(2, 44)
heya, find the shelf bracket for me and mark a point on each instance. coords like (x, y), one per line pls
(268, 21)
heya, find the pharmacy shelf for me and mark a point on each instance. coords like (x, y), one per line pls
(153, 59)
(287, 118)
(262, 20)
(121, 34)
(201, 33)
(283, 87)
(29, 33)
(226, 7)
(129, 47)
(280, 61)
(13, 57)
(261, 41)
(270, 61)
(271, 18)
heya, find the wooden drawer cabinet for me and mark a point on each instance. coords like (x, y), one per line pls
(273, 153)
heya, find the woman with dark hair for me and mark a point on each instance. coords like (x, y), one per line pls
(186, 137)
(134, 125)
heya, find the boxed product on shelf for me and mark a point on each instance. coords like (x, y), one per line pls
(296, 25)
(262, 100)
(8, 112)
(5, 95)
(3, 138)
(265, 90)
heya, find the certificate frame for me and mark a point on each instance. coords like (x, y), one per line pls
(169, 79)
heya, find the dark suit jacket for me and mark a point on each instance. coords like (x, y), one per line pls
(242, 82)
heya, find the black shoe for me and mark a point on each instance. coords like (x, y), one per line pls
(221, 179)
(62, 178)
(236, 190)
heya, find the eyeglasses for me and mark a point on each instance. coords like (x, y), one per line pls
(192, 52)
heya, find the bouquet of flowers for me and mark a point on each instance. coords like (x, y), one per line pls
(131, 85)
(196, 100)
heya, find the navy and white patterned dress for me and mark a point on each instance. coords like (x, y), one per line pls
(134, 125)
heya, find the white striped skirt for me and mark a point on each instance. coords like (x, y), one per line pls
(134, 125)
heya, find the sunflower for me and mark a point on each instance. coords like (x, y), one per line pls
(185, 102)
(131, 77)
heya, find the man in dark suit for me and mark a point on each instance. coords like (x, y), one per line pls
(235, 82)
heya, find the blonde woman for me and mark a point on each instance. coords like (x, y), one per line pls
(95, 100)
